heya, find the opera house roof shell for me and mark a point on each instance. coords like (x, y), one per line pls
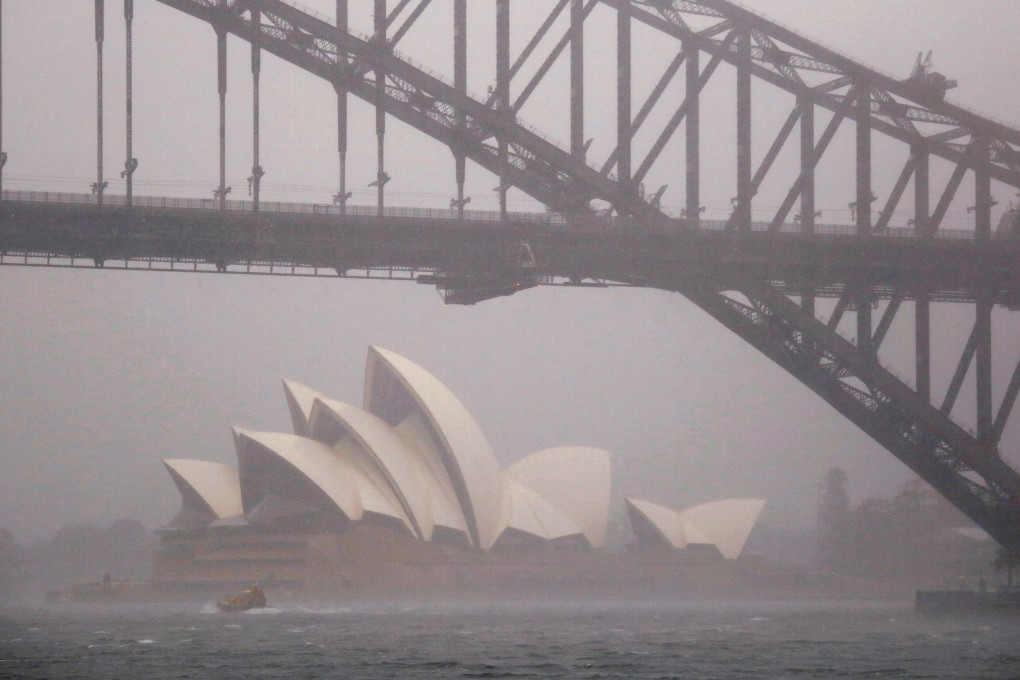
(412, 456)
(725, 524)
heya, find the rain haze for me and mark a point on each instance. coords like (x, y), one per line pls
(104, 373)
(297, 535)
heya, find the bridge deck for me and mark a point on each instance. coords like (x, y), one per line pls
(62, 229)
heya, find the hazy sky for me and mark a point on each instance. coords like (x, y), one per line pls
(102, 373)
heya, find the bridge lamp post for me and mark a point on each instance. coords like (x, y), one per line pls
(341, 199)
(458, 205)
(853, 205)
(991, 204)
(735, 204)
(382, 178)
(798, 218)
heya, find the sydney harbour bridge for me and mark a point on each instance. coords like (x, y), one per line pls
(759, 279)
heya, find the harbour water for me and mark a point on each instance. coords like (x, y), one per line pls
(533, 640)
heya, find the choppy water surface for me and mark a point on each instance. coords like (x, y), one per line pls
(502, 641)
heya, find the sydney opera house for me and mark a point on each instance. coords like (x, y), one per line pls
(405, 494)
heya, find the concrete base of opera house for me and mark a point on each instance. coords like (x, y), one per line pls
(381, 562)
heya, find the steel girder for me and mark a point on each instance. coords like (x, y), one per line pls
(782, 56)
(928, 441)
(424, 101)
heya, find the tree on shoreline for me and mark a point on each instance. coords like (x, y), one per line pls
(833, 517)
(123, 550)
(911, 537)
(1006, 561)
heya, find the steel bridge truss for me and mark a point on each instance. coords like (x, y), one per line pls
(965, 467)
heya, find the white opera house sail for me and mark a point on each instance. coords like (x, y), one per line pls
(412, 457)
(725, 524)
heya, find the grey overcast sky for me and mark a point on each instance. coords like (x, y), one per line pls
(102, 373)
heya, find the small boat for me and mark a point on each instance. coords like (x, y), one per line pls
(249, 598)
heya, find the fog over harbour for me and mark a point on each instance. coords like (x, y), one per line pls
(104, 372)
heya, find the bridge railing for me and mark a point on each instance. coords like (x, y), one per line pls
(439, 214)
(213, 204)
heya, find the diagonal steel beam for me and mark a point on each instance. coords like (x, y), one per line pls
(537, 38)
(1006, 407)
(678, 117)
(548, 63)
(896, 195)
(837, 313)
(646, 108)
(946, 200)
(392, 16)
(887, 319)
(770, 158)
(775, 149)
(409, 22)
(780, 59)
(823, 144)
(961, 372)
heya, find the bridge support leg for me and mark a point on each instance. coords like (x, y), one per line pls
(983, 331)
(100, 185)
(922, 344)
(503, 95)
(341, 107)
(807, 165)
(131, 163)
(577, 78)
(863, 300)
(460, 82)
(922, 191)
(862, 205)
(693, 143)
(807, 194)
(380, 113)
(982, 191)
(863, 209)
(221, 61)
(256, 70)
(3, 156)
(623, 95)
(985, 302)
(743, 207)
(922, 298)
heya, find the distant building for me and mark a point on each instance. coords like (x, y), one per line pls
(406, 492)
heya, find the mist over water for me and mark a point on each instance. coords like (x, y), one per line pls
(557, 640)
